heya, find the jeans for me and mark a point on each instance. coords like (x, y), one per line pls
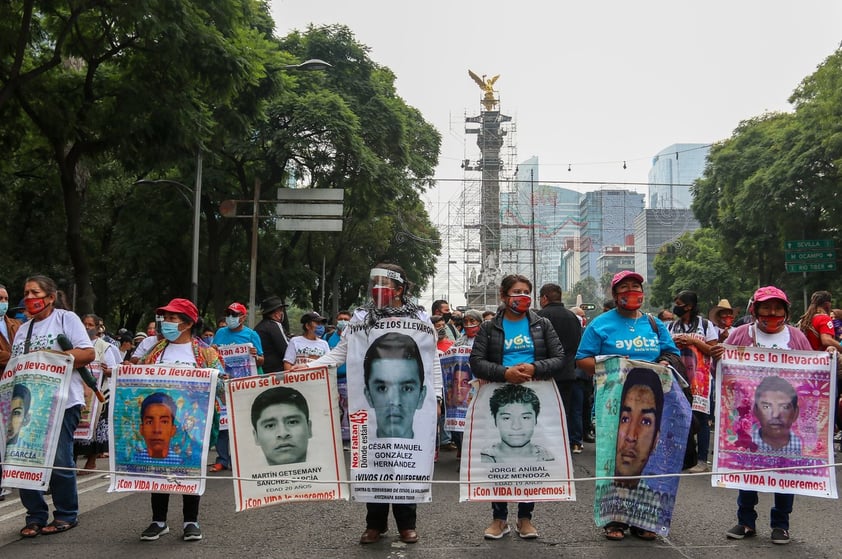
(779, 517)
(377, 516)
(62, 482)
(223, 452)
(161, 503)
(500, 510)
(703, 436)
(575, 427)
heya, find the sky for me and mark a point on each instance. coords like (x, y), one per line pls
(591, 85)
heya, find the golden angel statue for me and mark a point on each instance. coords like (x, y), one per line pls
(487, 85)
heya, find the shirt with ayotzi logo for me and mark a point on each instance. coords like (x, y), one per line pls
(613, 334)
(517, 344)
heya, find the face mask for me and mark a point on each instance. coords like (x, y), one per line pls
(320, 331)
(679, 310)
(630, 300)
(232, 322)
(35, 305)
(208, 339)
(170, 330)
(92, 333)
(519, 303)
(472, 331)
(447, 316)
(441, 333)
(4, 307)
(382, 295)
(341, 324)
(727, 321)
(771, 323)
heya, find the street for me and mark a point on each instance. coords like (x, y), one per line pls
(110, 525)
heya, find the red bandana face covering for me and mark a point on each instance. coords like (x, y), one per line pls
(630, 300)
(727, 321)
(471, 331)
(35, 305)
(520, 303)
(771, 323)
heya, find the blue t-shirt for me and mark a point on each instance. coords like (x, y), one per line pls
(226, 336)
(613, 334)
(517, 342)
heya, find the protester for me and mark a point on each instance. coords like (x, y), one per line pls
(817, 322)
(41, 332)
(722, 316)
(770, 311)
(272, 334)
(310, 345)
(181, 345)
(516, 346)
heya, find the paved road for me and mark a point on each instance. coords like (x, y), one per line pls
(111, 523)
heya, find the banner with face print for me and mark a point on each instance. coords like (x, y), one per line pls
(392, 409)
(643, 419)
(33, 395)
(456, 376)
(515, 446)
(160, 420)
(776, 411)
(285, 438)
(238, 362)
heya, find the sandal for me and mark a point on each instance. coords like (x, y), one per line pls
(57, 526)
(30, 530)
(643, 534)
(615, 531)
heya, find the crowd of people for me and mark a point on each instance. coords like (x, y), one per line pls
(511, 345)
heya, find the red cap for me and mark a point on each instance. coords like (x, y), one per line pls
(238, 308)
(620, 276)
(181, 306)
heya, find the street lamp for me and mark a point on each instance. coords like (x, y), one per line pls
(196, 204)
(312, 64)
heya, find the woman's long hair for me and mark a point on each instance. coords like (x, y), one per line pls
(817, 301)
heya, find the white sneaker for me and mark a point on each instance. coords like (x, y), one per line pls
(699, 468)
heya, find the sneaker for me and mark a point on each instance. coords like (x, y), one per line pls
(192, 532)
(525, 529)
(739, 532)
(154, 532)
(496, 530)
(577, 448)
(780, 536)
(699, 468)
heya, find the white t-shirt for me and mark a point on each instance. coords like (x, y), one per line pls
(303, 350)
(778, 339)
(144, 346)
(44, 336)
(178, 354)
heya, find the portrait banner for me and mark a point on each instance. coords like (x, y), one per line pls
(238, 363)
(33, 395)
(456, 377)
(90, 411)
(286, 425)
(643, 419)
(775, 411)
(391, 410)
(160, 421)
(515, 445)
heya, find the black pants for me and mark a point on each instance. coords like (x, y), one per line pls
(377, 517)
(161, 503)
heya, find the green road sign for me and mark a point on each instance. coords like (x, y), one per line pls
(807, 245)
(810, 266)
(814, 255)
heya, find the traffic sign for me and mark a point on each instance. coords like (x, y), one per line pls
(807, 245)
(811, 266)
(814, 255)
(587, 306)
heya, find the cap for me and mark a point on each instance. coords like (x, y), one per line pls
(139, 336)
(769, 292)
(271, 304)
(312, 317)
(620, 276)
(472, 313)
(181, 306)
(722, 305)
(238, 308)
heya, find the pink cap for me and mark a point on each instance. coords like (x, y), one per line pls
(769, 292)
(181, 306)
(620, 276)
(238, 308)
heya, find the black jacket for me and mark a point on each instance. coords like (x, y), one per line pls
(274, 345)
(487, 353)
(566, 325)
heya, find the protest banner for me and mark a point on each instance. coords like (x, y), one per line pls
(285, 437)
(775, 411)
(643, 419)
(160, 419)
(392, 409)
(33, 395)
(91, 409)
(456, 377)
(516, 445)
(238, 363)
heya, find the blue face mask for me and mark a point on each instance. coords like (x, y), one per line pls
(320, 331)
(208, 340)
(170, 330)
(232, 322)
(341, 324)
(4, 306)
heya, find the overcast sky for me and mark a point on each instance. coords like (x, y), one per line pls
(590, 84)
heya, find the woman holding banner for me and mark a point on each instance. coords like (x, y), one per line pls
(181, 345)
(390, 289)
(41, 333)
(515, 346)
(628, 332)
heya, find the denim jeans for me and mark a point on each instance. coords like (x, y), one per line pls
(62, 482)
(500, 510)
(575, 428)
(779, 517)
(223, 452)
(703, 436)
